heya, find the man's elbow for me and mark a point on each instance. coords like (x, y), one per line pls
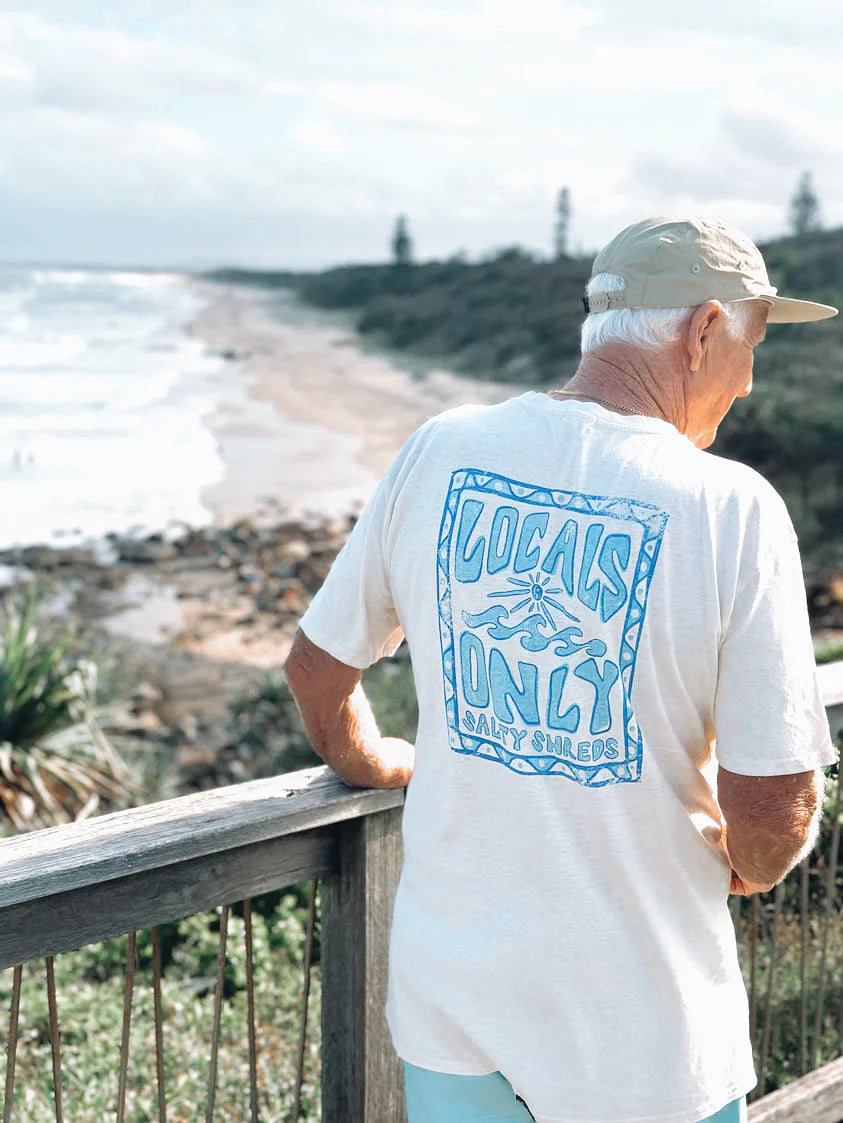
(297, 672)
(771, 823)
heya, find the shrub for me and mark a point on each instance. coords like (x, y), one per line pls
(55, 763)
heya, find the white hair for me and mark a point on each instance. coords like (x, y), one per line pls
(650, 328)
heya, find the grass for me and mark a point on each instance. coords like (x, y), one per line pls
(90, 1004)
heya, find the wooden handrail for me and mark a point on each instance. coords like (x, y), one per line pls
(815, 1098)
(88, 881)
(156, 835)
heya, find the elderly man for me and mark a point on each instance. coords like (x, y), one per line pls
(619, 716)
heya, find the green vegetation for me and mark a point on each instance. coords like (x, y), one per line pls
(55, 764)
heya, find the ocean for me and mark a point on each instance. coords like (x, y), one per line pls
(104, 398)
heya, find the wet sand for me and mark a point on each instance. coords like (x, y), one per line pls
(318, 418)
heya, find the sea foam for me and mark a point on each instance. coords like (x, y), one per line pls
(103, 401)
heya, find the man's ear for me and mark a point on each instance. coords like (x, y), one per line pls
(705, 324)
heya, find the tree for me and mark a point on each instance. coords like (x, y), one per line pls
(804, 207)
(402, 243)
(563, 222)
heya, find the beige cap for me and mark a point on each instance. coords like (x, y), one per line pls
(682, 262)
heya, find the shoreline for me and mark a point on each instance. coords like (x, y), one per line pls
(322, 417)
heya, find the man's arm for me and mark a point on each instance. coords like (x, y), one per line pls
(771, 823)
(339, 720)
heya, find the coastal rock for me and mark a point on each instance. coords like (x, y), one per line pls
(293, 552)
(145, 725)
(314, 570)
(146, 696)
(187, 728)
(250, 575)
(144, 551)
(293, 598)
(46, 558)
(242, 532)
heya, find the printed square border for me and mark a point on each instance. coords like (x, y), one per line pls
(651, 518)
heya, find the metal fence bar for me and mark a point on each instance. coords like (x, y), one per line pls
(250, 1000)
(803, 965)
(215, 1036)
(765, 1035)
(55, 1047)
(754, 913)
(127, 1025)
(159, 1024)
(826, 924)
(308, 957)
(12, 1048)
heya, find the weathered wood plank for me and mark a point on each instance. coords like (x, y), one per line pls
(159, 834)
(361, 1075)
(817, 1097)
(90, 913)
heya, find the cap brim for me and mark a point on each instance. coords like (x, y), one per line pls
(786, 310)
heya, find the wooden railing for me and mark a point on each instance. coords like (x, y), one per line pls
(79, 884)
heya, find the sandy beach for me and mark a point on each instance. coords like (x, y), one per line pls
(318, 418)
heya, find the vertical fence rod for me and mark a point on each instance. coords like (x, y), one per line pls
(754, 910)
(127, 1025)
(55, 1047)
(12, 1049)
(215, 1036)
(308, 956)
(250, 999)
(159, 1024)
(803, 962)
(765, 1036)
(826, 923)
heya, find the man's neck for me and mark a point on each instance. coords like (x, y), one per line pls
(631, 381)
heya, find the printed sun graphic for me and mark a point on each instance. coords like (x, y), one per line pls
(534, 595)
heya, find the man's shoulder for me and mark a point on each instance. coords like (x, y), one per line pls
(735, 476)
(737, 485)
(462, 420)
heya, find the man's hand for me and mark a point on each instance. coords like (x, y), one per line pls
(339, 720)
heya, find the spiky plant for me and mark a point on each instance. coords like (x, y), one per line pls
(55, 763)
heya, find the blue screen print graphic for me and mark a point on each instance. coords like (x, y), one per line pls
(542, 597)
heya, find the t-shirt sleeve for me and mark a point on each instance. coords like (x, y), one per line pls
(353, 615)
(768, 715)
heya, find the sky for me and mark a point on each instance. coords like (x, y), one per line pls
(291, 133)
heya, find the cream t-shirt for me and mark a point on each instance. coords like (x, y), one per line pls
(589, 601)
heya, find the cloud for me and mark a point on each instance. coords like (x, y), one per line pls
(82, 158)
(398, 104)
(106, 68)
(747, 170)
(319, 136)
(476, 21)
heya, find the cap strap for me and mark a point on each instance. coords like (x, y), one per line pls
(604, 301)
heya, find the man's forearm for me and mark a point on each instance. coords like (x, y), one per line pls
(771, 823)
(348, 739)
(760, 859)
(339, 720)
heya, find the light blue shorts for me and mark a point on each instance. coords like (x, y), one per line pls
(434, 1097)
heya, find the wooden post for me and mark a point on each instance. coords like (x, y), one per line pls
(362, 1081)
